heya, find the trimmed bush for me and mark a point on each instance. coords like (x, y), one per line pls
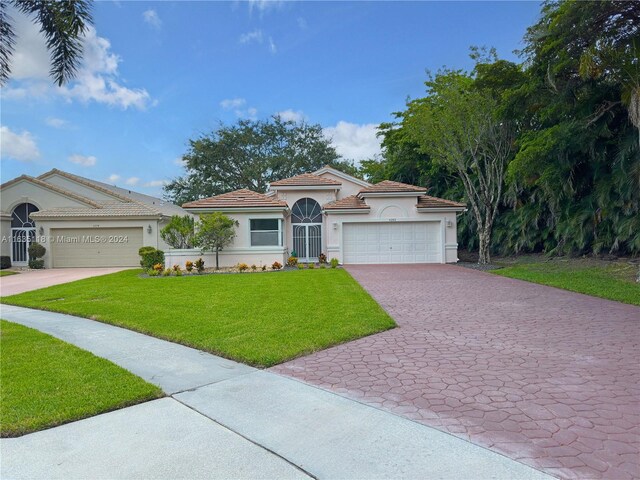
(36, 264)
(334, 263)
(36, 252)
(5, 262)
(149, 257)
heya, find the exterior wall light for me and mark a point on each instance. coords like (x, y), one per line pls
(41, 230)
(335, 225)
(149, 229)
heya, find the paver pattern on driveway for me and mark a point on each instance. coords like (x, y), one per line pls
(33, 279)
(542, 375)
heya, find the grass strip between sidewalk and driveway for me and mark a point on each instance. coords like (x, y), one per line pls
(46, 382)
(604, 279)
(257, 318)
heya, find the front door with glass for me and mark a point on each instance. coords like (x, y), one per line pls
(306, 219)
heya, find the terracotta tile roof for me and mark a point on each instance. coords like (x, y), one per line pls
(388, 186)
(115, 209)
(347, 203)
(52, 187)
(306, 179)
(425, 201)
(237, 199)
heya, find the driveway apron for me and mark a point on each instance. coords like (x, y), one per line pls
(542, 375)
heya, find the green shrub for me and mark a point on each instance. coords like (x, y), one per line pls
(311, 266)
(150, 257)
(36, 264)
(36, 251)
(334, 263)
(292, 261)
(178, 273)
(153, 273)
(5, 262)
(166, 272)
(322, 265)
(300, 266)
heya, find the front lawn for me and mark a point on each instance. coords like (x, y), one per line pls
(614, 280)
(46, 382)
(6, 273)
(261, 319)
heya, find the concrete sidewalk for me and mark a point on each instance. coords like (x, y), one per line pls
(234, 421)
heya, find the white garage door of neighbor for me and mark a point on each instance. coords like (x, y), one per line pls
(393, 242)
(96, 247)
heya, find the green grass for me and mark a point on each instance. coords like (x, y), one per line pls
(6, 273)
(261, 319)
(599, 278)
(47, 382)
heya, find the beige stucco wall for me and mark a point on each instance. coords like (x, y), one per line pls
(348, 187)
(5, 235)
(240, 251)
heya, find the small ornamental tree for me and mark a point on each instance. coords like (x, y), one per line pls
(215, 231)
(179, 232)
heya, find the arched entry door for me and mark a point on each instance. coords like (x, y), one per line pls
(23, 232)
(306, 219)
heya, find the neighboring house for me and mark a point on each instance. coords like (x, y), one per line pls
(81, 222)
(336, 214)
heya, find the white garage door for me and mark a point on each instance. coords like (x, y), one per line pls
(410, 242)
(96, 247)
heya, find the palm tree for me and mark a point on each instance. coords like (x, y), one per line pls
(63, 22)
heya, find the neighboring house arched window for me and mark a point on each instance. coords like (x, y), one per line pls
(306, 210)
(20, 216)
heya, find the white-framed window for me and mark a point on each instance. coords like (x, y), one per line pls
(266, 232)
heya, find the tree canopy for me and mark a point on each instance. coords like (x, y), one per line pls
(251, 154)
(572, 183)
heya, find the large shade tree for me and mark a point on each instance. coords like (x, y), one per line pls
(63, 24)
(251, 154)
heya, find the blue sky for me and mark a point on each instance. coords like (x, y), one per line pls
(158, 73)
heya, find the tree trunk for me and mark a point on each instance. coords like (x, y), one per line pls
(484, 255)
(217, 264)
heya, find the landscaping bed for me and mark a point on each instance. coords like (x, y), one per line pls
(47, 382)
(261, 320)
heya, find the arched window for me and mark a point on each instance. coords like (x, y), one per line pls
(306, 210)
(20, 216)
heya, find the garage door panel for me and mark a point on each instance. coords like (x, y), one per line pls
(96, 247)
(409, 242)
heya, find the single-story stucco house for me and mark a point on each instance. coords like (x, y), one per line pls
(330, 212)
(81, 222)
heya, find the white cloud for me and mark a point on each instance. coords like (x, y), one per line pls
(56, 122)
(84, 160)
(237, 104)
(97, 79)
(264, 5)
(272, 46)
(19, 146)
(291, 115)
(354, 141)
(179, 161)
(113, 178)
(252, 37)
(151, 17)
(231, 103)
(155, 183)
(132, 181)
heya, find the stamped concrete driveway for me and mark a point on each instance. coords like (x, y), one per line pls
(34, 279)
(541, 375)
